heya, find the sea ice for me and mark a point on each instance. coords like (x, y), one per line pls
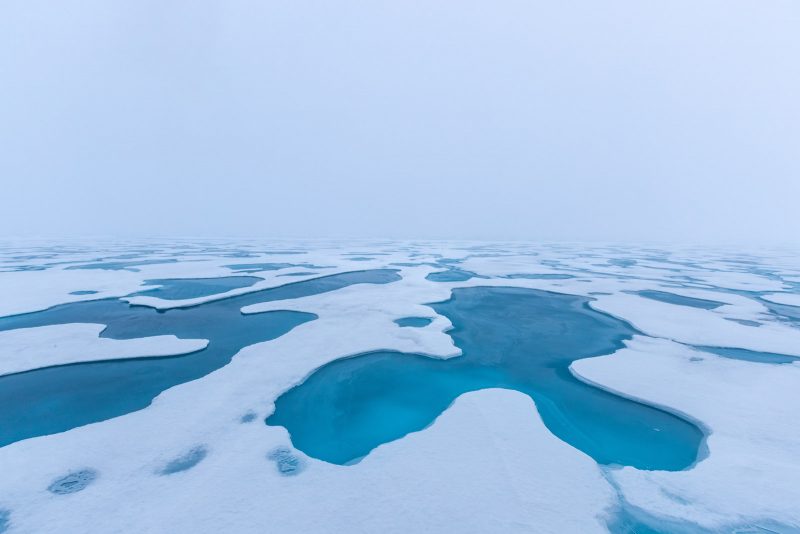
(486, 464)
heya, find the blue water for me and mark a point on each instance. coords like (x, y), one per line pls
(541, 276)
(781, 312)
(452, 275)
(21, 268)
(672, 298)
(412, 264)
(83, 292)
(254, 267)
(189, 288)
(511, 338)
(54, 399)
(120, 265)
(620, 262)
(623, 522)
(790, 314)
(749, 355)
(745, 322)
(416, 322)
(628, 519)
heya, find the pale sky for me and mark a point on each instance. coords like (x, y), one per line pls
(590, 120)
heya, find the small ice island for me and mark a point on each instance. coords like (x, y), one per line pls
(398, 387)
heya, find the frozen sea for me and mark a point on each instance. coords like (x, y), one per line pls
(384, 386)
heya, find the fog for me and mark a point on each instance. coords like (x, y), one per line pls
(615, 121)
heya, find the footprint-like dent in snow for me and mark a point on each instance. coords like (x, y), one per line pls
(186, 461)
(73, 482)
(248, 417)
(287, 463)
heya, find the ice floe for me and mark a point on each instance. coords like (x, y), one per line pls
(44, 346)
(750, 409)
(486, 464)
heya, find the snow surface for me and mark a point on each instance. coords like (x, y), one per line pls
(487, 464)
(31, 348)
(752, 469)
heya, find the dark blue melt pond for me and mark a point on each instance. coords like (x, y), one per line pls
(511, 338)
(270, 266)
(790, 314)
(120, 265)
(54, 399)
(749, 355)
(452, 275)
(189, 288)
(541, 276)
(621, 262)
(417, 322)
(672, 298)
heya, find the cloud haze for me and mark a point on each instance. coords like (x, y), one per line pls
(618, 120)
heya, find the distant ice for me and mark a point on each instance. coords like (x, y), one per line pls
(790, 299)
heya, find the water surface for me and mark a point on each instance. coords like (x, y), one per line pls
(54, 399)
(121, 265)
(681, 300)
(190, 288)
(749, 355)
(416, 322)
(452, 275)
(255, 267)
(511, 338)
(540, 276)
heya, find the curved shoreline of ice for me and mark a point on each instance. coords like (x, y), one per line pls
(275, 280)
(754, 428)
(789, 299)
(26, 349)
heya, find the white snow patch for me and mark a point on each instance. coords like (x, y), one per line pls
(698, 326)
(750, 409)
(25, 349)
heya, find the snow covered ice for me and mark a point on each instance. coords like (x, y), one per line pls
(231, 342)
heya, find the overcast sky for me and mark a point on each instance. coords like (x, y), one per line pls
(595, 120)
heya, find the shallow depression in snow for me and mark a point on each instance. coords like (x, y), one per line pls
(73, 482)
(186, 461)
